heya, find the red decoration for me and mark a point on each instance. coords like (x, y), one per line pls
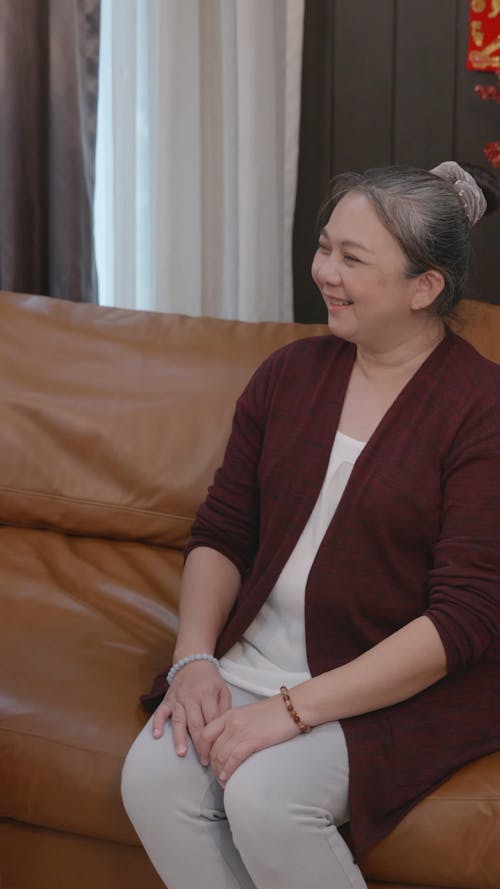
(484, 36)
(488, 92)
(492, 149)
(492, 152)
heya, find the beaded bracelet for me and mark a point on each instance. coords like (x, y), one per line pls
(174, 669)
(285, 694)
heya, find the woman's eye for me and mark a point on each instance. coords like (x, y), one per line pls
(350, 258)
(323, 247)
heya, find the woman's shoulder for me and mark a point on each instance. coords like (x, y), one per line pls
(468, 365)
(470, 387)
(300, 364)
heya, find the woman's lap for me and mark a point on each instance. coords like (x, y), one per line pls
(279, 795)
(310, 769)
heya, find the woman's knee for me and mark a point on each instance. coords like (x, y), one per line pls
(155, 780)
(135, 776)
(255, 810)
(273, 792)
(150, 767)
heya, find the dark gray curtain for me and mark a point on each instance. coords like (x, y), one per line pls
(316, 143)
(49, 51)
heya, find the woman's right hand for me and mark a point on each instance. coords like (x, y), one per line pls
(198, 694)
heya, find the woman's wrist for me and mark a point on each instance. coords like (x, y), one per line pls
(303, 727)
(190, 659)
(315, 700)
(191, 646)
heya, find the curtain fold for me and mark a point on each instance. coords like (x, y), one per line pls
(49, 52)
(316, 146)
(197, 153)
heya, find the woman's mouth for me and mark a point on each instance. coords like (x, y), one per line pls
(335, 305)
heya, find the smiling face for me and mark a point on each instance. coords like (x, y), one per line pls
(360, 270)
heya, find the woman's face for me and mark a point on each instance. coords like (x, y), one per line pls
(360, 270)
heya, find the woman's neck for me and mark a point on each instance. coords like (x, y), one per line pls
(391, 363)
(377, 378)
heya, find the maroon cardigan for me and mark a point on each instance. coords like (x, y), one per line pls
(416, 532)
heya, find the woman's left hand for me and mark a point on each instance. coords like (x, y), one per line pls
(231, 738)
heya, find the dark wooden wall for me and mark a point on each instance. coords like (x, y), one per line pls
(384, 81)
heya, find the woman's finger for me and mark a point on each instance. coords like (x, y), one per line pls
(195, 725)
(179, 729)
(227, 763)
(207, 738)
(225, 701)
(210, 707)
(203, 745)
(162, 714)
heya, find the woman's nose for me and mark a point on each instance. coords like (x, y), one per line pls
(328, 271)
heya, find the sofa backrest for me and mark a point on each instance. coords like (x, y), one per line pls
(112, 422)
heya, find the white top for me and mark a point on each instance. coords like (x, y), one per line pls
(272, 652)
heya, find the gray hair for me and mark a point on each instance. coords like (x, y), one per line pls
(426, 216)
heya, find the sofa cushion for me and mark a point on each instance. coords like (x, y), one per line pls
(113, 421)
(85, 623)
(36, 858)
(479, 323)
(451, 838)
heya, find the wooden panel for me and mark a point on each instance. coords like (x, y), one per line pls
(485, 269)
(477, 122)
(390, 86)
(425, 59)
(363, 83)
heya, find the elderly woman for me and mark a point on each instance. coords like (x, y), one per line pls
(338, 651)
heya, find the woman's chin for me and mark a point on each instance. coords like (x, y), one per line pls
(341, 326)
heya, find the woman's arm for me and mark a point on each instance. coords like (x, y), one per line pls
(209, 586)
(224, 539)
(405, 663)
(198, 694)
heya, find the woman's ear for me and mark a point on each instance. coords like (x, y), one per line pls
(428, 286)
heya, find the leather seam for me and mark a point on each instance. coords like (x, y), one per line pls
(19, 825)
(60, 498)
(54, 742)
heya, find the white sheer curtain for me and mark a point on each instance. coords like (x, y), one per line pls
(197, 149)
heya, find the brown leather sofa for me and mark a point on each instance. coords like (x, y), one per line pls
(111, 425)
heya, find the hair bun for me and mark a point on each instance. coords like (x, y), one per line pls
(488, 183)
(473, 199)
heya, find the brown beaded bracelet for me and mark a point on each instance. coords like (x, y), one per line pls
(285, 694)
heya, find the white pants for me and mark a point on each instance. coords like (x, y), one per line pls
(273, 827)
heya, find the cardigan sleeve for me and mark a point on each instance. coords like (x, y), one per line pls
(464, 600)
(228, 519)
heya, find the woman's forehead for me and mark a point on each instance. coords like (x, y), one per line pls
(354, 224)
(355, 220)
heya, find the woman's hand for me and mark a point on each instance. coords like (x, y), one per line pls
(231, 738)
(196, 697)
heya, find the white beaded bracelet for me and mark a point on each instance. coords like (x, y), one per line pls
(174, 669)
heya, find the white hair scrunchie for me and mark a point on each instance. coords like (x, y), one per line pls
(473, 199)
